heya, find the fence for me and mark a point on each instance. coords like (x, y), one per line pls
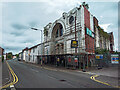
(80, 61)
(105, 60)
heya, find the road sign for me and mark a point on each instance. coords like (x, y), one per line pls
(74, 44)
(114, 58)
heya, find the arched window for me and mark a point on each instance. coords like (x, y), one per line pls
(58, 29)
(57, 33)
(61, 30)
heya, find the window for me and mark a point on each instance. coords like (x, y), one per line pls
(57, 33)
(61, 30)
(33, 50)
(33, 57)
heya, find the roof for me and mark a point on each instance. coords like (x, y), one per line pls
(25, 49)
(35, 46)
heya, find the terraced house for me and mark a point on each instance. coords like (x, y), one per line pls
(1, 52)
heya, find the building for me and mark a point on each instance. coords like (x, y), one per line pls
(14, 56)
(31, 54)
(1, 53)
(4, 56)
(24, 54)
(76, 34)
(103, 40)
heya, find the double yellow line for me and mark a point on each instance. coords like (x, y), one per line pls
(93, 78)
(15, 78)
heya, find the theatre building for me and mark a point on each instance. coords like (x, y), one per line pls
(73, 36)
(71, 40)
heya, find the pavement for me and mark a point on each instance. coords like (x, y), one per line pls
(111, 71)
(105, 71)
(6, 76)
(0, 73)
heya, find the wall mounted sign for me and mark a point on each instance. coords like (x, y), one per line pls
(115, 59)
(76, 59)
(89, 32)
(74, 44)
(99, 57)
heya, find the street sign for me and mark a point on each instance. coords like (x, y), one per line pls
(74, 44)
(89, 32)
(114, 58)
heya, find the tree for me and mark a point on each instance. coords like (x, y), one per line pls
(2, 58)
(17, 55)
(101, 51)
(9, 55)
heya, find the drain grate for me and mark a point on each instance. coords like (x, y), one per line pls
(63, 80)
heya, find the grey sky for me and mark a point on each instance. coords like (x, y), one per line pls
(18, 17)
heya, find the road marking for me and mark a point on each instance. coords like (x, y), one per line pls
(51, 77)
(15, 78)
(50, 69)
(94, 76)
(34, 70)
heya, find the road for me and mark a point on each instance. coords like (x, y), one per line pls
(30, 76)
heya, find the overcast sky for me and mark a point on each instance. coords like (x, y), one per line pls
(18, 17)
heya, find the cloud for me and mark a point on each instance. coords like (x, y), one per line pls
(18, 17)
(33, 23)
(19, 26)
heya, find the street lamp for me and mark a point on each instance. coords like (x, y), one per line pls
(41, 42)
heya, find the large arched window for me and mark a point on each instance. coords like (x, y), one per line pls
(61, 30)
(58, 29)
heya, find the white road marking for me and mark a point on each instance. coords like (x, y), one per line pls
(34, 70)
(51, 77)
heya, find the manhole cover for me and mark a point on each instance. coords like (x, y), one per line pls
(62, 80)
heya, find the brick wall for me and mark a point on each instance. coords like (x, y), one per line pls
(89, 41)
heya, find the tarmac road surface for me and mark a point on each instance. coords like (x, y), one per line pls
(30, 76)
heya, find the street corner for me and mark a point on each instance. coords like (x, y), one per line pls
(106, 80)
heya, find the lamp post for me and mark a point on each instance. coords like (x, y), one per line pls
(41, 42)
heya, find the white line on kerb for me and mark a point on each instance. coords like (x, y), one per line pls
(11, 86)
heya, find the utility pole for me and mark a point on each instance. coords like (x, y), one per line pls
(79, 41)
(41, 43)
(75, 36)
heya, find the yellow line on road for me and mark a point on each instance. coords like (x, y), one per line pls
(15, 78)
(94, 76)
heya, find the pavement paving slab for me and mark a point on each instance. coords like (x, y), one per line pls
(0, 73)
(6, 76)
(113, 81)
(107, 71)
